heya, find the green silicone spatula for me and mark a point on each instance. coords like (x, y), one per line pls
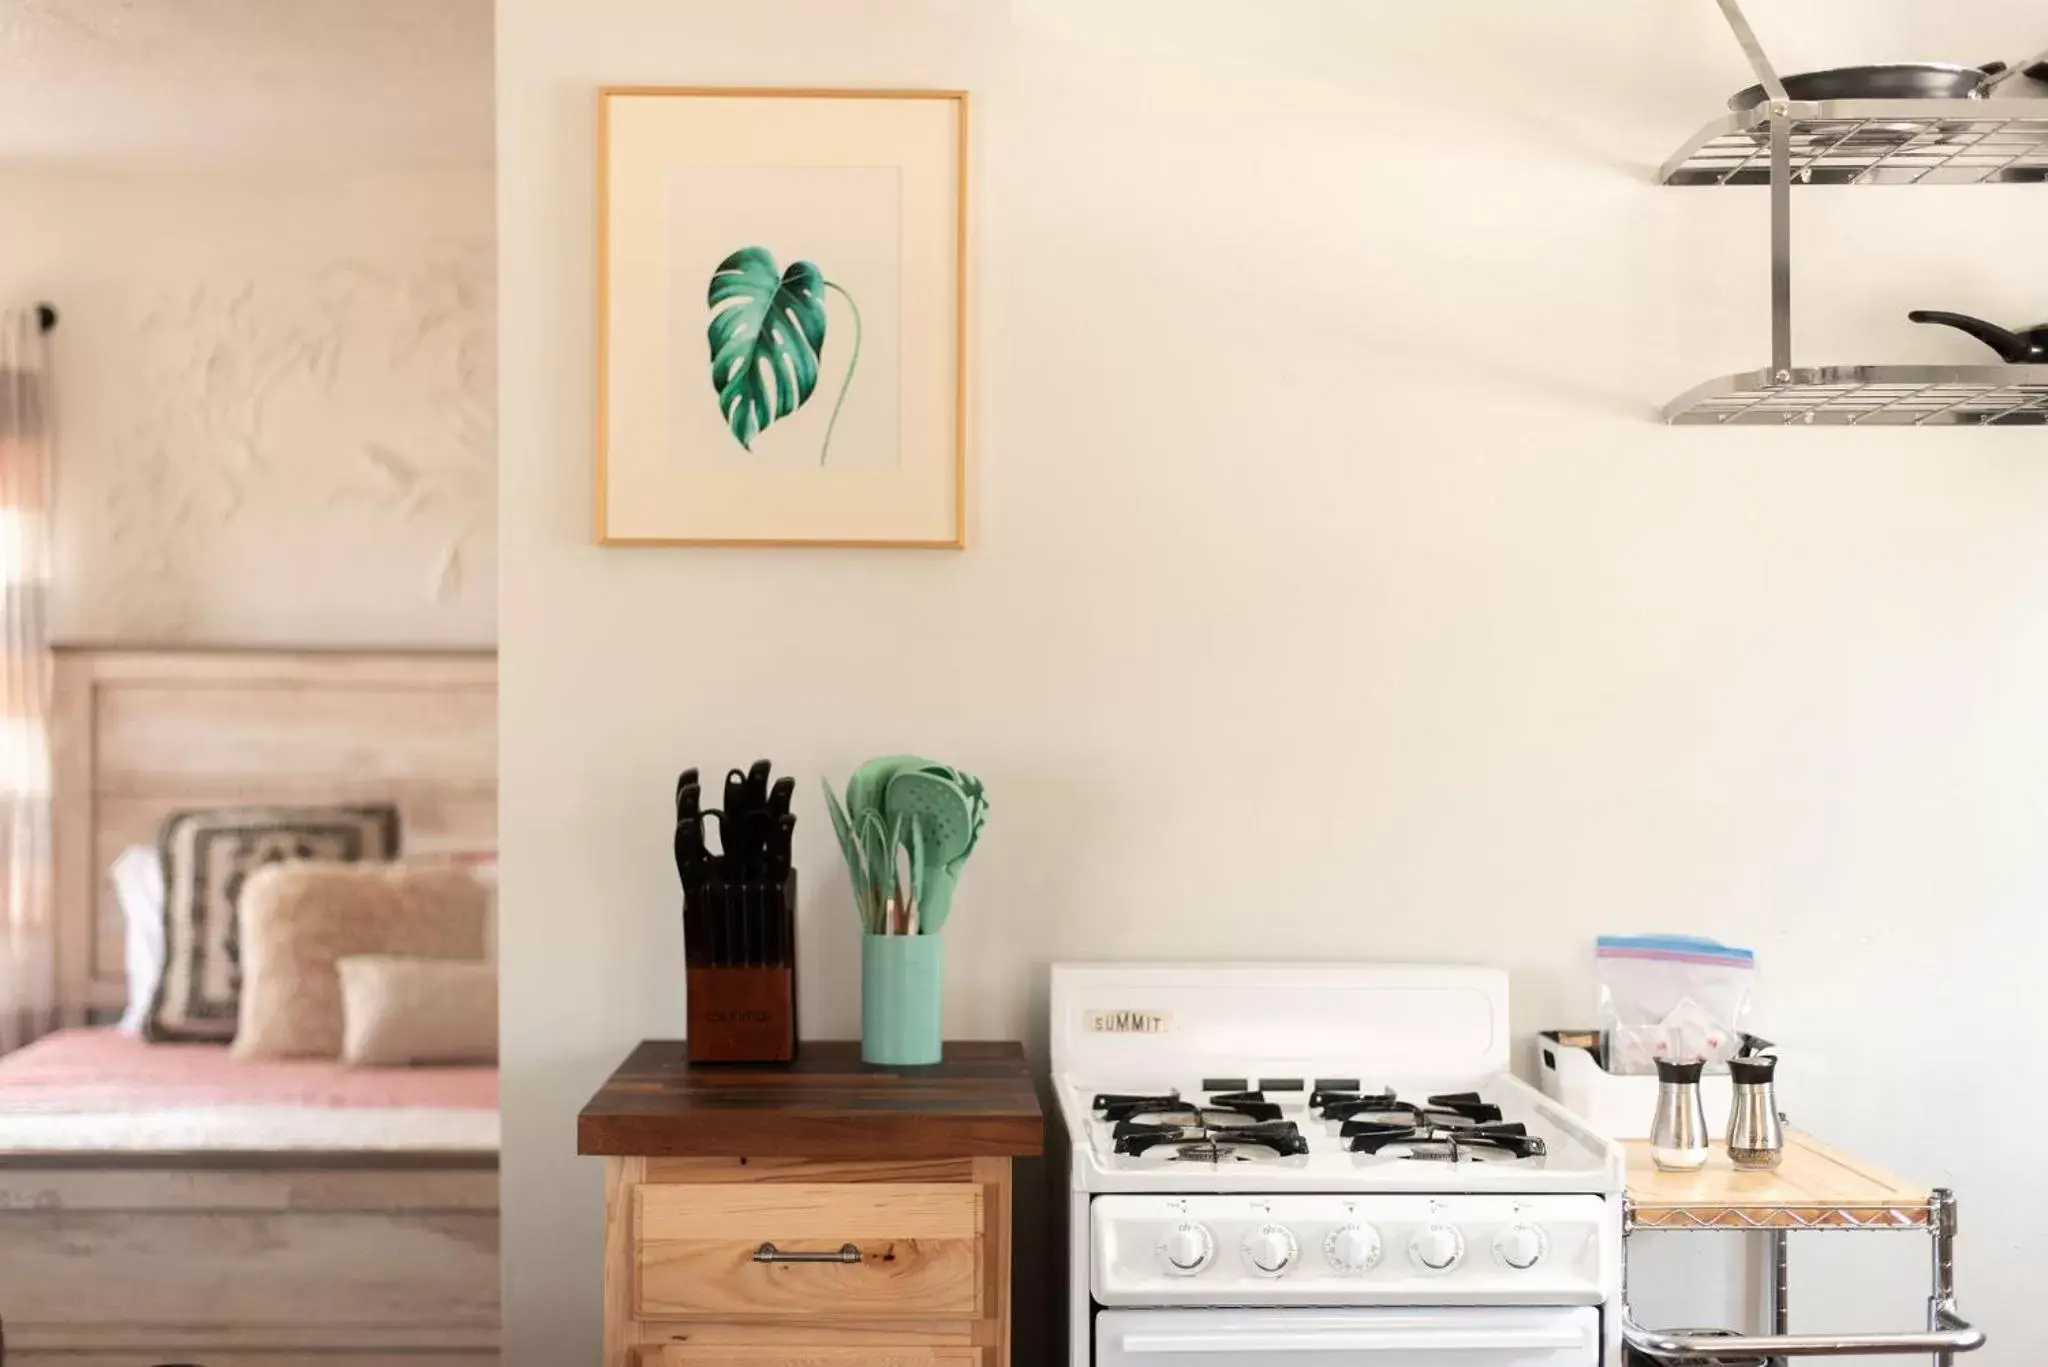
(856, 862)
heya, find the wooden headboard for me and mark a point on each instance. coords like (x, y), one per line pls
(138, 734)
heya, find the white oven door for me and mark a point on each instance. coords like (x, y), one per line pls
(1461, 1336)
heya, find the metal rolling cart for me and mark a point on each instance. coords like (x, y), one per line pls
(1815, 1189)
(1783, 143)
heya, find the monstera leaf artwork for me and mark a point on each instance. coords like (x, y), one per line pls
(767, 336)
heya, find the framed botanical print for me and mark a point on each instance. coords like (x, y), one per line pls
(782, 317)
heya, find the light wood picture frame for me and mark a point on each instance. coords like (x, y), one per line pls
(782, 317)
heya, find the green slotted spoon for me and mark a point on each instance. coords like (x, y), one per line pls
(944, 819)
(864, 791)
(977, 803)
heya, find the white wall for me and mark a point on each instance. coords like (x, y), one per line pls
(276, 395)
(1332, 592)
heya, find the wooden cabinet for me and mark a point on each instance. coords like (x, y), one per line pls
(826, 1214)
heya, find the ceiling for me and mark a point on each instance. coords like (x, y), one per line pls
(276, 83)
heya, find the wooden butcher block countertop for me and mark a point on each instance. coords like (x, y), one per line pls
(978, 1102)
(1815, 1187)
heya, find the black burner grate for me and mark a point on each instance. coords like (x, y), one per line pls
(1447, 1109)
(1249, 1107)
(1236, 1123)
(1444, 1144)
(1211, 1143)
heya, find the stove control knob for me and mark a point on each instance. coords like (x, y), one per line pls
(1352, 1249)
(1187, 1248)
(1270, 1250)
(1437, 1248)
(1520, 1247)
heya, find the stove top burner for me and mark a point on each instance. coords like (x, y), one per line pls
(1227, 1122)
(1217, 1150)
(1205, 1142)
(1448, 1109)
(1443, 1144)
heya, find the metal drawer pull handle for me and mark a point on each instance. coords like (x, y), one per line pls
(769, 1253)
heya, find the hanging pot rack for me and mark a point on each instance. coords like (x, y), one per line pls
(1785, 142)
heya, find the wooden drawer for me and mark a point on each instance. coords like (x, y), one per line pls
(920, 1253)
(733, 1355)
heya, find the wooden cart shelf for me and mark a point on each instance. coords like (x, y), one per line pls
(1816, 1187)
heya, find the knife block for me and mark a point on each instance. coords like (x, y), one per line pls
(741, 981)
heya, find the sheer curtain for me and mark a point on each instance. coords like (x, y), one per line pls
(28, 951)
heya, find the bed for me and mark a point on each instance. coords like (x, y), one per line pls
(168, 1203)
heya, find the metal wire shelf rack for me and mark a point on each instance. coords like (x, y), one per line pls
(1784, 142)
(1875, 142)
(1870, 396)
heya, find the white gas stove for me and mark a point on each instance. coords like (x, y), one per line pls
(1271, 1161)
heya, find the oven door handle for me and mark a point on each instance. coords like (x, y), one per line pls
(1356, 1341)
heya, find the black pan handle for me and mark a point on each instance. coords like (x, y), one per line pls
(2035, 69)
(2010, 346)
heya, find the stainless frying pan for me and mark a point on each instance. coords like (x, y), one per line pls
(1910, 81)
(1914, 81)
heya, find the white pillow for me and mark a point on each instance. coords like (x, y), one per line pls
(138, 875)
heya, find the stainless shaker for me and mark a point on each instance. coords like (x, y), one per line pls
(1756, 1132)
(1678, 1135)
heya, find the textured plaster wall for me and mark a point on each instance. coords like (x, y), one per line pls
(276, 401)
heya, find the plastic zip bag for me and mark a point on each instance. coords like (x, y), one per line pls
(1671, 997)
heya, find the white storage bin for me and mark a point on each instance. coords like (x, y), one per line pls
(1618, 1107)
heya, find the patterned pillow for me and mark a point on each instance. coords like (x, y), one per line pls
(206, 857)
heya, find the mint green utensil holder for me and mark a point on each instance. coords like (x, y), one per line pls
(902, 981)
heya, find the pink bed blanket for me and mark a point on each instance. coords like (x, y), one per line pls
(105, 1070)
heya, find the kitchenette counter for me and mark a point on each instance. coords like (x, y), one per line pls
(1816, 1187)
(978, 1102)
(822, 1213)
